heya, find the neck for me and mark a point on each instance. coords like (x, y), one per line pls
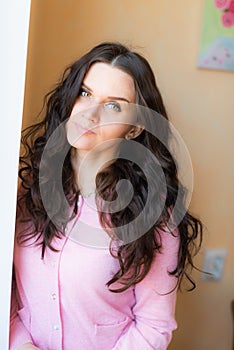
(86, 166)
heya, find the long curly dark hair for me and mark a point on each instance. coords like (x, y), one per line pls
(160, 178)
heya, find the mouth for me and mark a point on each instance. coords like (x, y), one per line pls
(83, 130)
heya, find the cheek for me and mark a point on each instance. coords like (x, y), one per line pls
(113, 131)
(70, 131)
(76, 109)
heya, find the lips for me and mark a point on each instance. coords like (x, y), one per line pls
(84, 130)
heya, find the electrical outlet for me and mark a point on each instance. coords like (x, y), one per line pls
(213, 264)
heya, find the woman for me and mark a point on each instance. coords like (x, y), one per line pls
(102, 236)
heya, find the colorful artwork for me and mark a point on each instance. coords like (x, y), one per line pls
(217, 42)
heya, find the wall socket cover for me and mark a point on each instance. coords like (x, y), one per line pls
(213, 264)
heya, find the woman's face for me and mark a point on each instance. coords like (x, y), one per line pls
(102, 111)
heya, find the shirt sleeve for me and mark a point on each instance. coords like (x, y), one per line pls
(18, 333)
(154, 309)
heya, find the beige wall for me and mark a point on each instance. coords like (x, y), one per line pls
(201, 106)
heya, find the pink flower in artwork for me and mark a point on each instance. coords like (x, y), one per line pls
(231, 6)
(221, 4)
(228, 19)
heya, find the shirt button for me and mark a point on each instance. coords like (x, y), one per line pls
(56, 327)
(54, 296)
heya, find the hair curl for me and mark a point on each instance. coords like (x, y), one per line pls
(136, 256)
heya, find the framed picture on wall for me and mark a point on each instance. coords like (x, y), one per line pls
(217, 38)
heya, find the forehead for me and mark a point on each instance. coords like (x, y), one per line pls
(105, 80)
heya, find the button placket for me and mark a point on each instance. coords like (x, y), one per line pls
(53, 295)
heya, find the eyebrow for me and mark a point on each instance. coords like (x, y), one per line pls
(109, 97)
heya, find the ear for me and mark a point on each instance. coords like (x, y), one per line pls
(134, 132)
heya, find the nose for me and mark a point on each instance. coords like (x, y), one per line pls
(92, 113)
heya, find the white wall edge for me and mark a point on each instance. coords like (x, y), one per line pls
(14, 26)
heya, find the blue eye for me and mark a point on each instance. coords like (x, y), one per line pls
(114, 106)
(84, 93)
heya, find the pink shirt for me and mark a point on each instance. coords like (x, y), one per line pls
(62, 302)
